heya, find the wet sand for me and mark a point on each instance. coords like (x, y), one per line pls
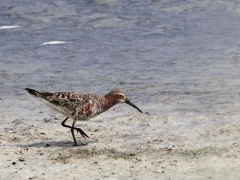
(178, 61)
(128, 147)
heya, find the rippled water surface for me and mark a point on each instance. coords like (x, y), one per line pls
(171, 57)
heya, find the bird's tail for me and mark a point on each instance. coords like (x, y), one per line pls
(32, 91)
(38, 94)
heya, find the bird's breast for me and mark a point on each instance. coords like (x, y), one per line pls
(87, 112)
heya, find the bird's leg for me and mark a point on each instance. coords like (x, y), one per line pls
(77, 129)
(72, 131)
(63, 123)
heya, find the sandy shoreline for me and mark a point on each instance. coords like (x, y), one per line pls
(177, 60)
(120, 152)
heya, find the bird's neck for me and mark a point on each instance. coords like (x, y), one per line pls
(108, 102)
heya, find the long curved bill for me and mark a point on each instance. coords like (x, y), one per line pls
(131, 104)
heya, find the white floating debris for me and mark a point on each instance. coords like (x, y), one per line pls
(10, 131)
(8, 27)
(55, 42)
(159, 171)
(172, 147)
(169, 148)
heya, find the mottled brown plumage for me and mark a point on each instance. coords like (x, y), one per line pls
(80, 107)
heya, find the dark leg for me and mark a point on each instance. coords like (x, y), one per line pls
(72, 131)
(63, 123)
(77, 129)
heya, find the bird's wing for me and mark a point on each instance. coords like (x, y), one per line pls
(66, 103)
(69, 100)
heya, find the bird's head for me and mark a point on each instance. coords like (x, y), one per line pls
(120, 97)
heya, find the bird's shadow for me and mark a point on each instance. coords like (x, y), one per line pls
(48, 144)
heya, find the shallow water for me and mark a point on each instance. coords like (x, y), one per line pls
(173, 58)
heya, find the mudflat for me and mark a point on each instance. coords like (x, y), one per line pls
(130, 147)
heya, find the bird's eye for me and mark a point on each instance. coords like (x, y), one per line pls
(121, 95)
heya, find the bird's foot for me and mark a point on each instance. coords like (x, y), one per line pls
(81, 132)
